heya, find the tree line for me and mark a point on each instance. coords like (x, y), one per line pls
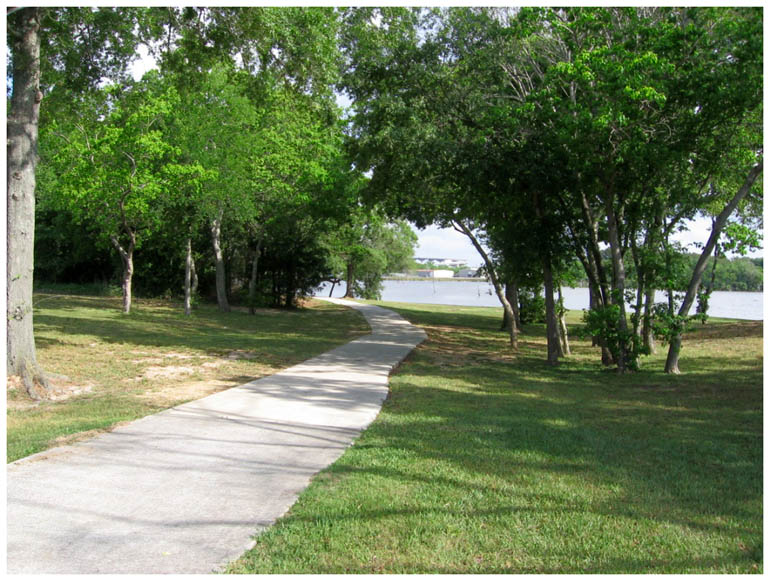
(553, 135)
(223, 172)
(545, 136)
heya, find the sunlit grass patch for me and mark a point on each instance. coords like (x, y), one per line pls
(488, 461)
(109, 367)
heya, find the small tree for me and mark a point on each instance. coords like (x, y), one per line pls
(112, 166)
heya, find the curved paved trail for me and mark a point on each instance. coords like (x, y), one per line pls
(185, 490)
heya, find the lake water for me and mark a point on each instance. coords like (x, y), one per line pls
(732, 305)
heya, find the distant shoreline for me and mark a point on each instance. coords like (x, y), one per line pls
(430, 278)
(478, 279)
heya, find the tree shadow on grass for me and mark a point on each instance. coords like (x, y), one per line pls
(689, 458)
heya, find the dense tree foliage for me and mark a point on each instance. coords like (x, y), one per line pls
(561, 133)
(224, 168)
(551, 138)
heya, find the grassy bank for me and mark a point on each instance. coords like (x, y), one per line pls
(486, 462)
(108, 367)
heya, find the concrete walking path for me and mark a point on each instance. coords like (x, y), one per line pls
(185, 490)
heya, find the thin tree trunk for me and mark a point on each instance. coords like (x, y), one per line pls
(188, 278)
(640, 282)
(219, 260)
(672, 360)
(597, 291)
(592, 304)
(594, 251)
(22, 128)
(194, 273)
(127, 257)
(253, 278)
(551, 323)
(513, 330)
(647, 336)
(563, 335)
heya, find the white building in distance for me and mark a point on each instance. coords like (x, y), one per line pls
(449, 262)
(435, 273)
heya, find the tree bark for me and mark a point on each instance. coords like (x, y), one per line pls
(551, 324)
(350, 280)
(253, 277)
(672, 360)
(188, 278)
(127, 257)
(194, 273)
(618, 281)
(513, 329)
(22, 127)
(512, 296)
(594, 254)
(563, 335)
(219, 260)
(647, 336)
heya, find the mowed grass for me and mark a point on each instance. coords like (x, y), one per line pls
(110, 368)
(483, 461)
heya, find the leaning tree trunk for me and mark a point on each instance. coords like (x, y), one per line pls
(219, 260)
(188, 267)
(496, 284)
(672, 360)
(22, 127)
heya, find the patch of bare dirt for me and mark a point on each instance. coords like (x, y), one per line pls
(62, 388)
(241, 354)
(159, 371)
(166, 372)
(169, 395)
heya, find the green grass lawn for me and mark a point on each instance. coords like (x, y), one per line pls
(109, 367)
(483, 461)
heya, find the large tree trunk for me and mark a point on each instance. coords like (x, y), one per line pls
(551, 323)
(496, 284)
(512, 296)
(22, 127)
(127, 257)
(672, 360)
(350, 280)
(219, 261)
(618, 283)
(188, 262)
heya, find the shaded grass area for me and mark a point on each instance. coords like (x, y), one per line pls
(483, 461)
(122, 367)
